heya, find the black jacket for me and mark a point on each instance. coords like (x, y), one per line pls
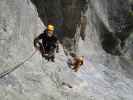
(47, 42)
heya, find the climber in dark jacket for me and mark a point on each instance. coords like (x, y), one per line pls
(48, 44)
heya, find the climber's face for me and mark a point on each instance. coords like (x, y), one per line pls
(50, 33)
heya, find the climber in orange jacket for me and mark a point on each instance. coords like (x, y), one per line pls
(76, 62)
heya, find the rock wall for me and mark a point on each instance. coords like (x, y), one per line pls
(113, 22)
(106, 31)
(19, 25)
(65, 15)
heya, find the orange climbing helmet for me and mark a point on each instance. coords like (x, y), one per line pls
(50, 27)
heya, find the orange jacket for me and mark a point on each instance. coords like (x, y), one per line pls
(77, 63)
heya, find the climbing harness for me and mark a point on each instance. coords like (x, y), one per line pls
(3, 74)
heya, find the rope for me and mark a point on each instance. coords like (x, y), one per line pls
(3, 74)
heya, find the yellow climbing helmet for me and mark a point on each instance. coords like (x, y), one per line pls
(51, 27)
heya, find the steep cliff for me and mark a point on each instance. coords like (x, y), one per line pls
(101, 30)
(113, 22)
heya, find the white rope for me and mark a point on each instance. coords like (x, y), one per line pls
(3, 74)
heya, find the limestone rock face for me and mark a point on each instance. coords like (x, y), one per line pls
(101, 30)
(19, 24)
(111, 20)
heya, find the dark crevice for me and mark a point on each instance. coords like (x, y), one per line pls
(114, 42)
(63, 14)
(109, 41)
(111, 44)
